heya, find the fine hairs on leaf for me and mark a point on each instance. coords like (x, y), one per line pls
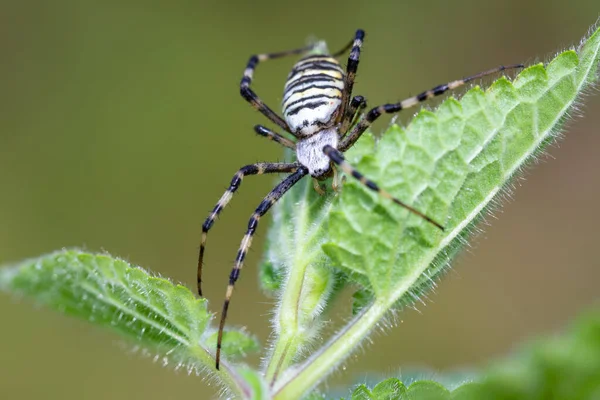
(163, 319)
(453, 164)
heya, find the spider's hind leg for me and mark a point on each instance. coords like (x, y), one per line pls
(261, 210)
(338, 158)
(236, 181)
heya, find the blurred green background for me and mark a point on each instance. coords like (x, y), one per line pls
(121, 124)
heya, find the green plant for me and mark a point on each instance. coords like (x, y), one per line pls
(452, 164)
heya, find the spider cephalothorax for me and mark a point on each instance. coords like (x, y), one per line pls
(324, 118)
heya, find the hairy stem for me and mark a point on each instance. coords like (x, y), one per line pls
(287, 343)
(322, 363)
(305, 289)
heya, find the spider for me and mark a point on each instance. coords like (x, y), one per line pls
(325, 121)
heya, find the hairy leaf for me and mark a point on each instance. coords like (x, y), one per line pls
(450, 164)
(160, 316)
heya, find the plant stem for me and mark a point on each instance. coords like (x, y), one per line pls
(304, 290)
(286, 344)
(318, 366)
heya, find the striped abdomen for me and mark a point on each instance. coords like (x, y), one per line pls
(313, 94)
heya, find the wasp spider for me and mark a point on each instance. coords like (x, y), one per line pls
(320, 113)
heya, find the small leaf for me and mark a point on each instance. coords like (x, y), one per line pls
(360, 299)
(427, 390)
(236, 344)
(394, 389)
(157, 314)
(391, 389)
(361, 392)
(561, 368)
(256, 383)
(566, 366)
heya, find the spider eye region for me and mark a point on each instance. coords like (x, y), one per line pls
(309, 151)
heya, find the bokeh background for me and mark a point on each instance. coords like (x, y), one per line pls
(121, 125)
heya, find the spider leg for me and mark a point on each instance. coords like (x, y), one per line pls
(376, 112)
(264, 206)
(351, 69)
(269, 134)
(252, 169)
(357, 104)
(338, 158)
(251, 96)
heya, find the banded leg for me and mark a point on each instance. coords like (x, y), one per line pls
(277, 138)
(251, 96)
(357, 105)
(261, 210)
(376, 112)
(351, 69)
(338, 158)
(252, 169)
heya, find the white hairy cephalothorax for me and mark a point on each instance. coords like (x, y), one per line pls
(309, 151)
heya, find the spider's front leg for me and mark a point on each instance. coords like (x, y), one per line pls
(351, 69)
(376, 112)
(357, 105)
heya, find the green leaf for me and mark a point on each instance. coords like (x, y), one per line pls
(427, 390)
(450, 164)
(257, 385)
(236, 344)
(391, 389)
(159, 316)
(565, 367)
(561, 367)
(361, 392)
(360, 300)
(394, 389)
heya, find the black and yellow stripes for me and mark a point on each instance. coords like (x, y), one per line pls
(261, 210)
(376, 112)
(250, 96)
(339, 160)
(236, 181)
(315, 81)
